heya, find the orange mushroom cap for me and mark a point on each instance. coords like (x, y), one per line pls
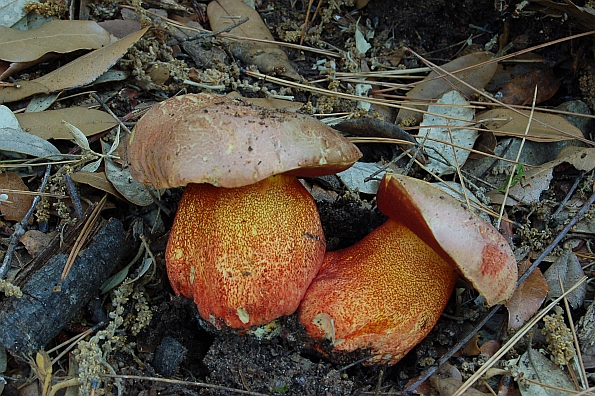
(386, 292)
(245, 254)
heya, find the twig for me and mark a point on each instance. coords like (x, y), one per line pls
(21, 227)
(74, 197)
(82, 238)
(569, 195)
(514, 339)
(518, 155)
(188, 383)
(306, 22)
(558, 238)
(460, 344)
(202, 35)
(110, 112)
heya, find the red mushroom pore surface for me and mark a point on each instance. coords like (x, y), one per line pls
(246, 255)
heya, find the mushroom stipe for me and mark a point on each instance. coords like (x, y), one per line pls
(246, 255)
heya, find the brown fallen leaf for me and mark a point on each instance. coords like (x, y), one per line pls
(489, 348)
(48, 124)
(448, 379)
(527, 298)
(269, 58)
(81, 71)
(433, 87)
(566, 269)
(55, 36)
(520, 90)
(119, 27)
(472, 348)
(19, 204)
(505, 122)
(36, 241)
(508, 69)
(98, 180)
(268, 103)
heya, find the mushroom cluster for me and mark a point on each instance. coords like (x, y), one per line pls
(248, 247)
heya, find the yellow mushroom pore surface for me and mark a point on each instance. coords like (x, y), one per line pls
(246, 255)
(384, 294)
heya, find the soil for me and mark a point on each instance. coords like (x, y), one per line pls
(176, 344)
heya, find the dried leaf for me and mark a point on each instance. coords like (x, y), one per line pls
(490, 347)
(81, 71)
(19, 204)
(586, 333)
(79, 137)
(115, 279)
(15, 67)
(521, 89)
(268, 103)
(12, 11)
(98, 180)
(17, 141)
(48, 124)
(36, 241)
(8, 119)
(433, 87)
(566, 269)
(448, 386)
(534, 366)
(58, 36)
(505, 122)
(355, 177)
(442, 156)
(92, 166)
(269, 58)
(537, 179)
(135, 192)
(147, 262)
(527, 298)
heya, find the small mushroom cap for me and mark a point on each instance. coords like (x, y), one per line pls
(469, 243)
(212, 139)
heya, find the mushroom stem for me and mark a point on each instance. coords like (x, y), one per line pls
(385, 293)
(246, 255)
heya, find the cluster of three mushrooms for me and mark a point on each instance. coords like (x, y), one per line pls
(247, 244)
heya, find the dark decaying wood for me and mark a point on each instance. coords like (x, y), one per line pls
(30, 322)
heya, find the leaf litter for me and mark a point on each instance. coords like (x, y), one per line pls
(109, 172)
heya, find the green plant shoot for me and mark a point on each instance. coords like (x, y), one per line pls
(517, 177)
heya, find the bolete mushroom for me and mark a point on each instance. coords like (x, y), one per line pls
(385, 293)
(246, 241)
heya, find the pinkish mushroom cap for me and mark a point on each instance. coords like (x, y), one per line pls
(213, 139)
(467, 242)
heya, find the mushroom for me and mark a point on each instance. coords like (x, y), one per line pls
(247, 240)
(385, 293)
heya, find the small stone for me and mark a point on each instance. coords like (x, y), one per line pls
(168, 357)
